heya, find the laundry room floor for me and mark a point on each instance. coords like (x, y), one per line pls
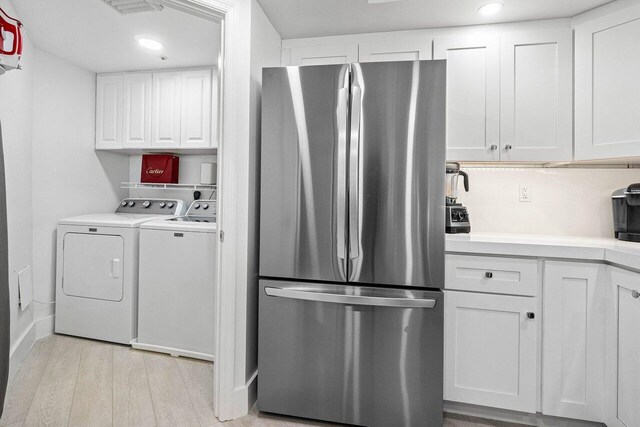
(67, 381)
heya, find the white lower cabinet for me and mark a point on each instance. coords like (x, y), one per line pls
(573, 340)
(491, 350)
(623, 349)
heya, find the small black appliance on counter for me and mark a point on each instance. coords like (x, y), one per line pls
(626, 213)
(456, 215)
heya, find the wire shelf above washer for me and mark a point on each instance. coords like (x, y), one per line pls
(186, 187)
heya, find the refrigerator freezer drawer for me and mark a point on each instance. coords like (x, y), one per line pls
(349, 354)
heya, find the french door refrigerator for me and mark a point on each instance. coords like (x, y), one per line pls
(352, 243)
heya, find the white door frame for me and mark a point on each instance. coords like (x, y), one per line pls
(230, 399)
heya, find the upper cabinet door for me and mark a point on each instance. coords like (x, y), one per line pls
(109, 111)
(396, 50)
(195, 129)
(472, 96)
(137, 110)
(607, 100)
(324, 55)
(167, 105)
(536, 96)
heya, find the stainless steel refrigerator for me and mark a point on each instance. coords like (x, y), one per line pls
(352, 243)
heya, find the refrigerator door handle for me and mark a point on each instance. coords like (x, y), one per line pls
(339, 298)
(342, 116)
(354, 167)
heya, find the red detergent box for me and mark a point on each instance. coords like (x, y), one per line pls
(160, 168)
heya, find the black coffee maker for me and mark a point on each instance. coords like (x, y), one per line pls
(626, 213)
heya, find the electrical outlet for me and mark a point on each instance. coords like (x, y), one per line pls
(525, 193)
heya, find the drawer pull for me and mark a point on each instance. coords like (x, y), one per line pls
(488, 275)
(531, 315)
(635, 294)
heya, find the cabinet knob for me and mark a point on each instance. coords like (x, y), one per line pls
(635, 294)
(488, 275)
(507, 147)
(493, 147)
(531, 315)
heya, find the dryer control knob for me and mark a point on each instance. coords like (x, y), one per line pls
(123, 204)
(169, 205)
(163, 204)
(205, 206)
(146, 204)
(197, 206)
(131, 204)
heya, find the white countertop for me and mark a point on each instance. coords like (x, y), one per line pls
(626, 254)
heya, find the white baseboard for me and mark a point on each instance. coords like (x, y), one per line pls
(538, 419)
(45, 326)
(245, 397)
(20, 350)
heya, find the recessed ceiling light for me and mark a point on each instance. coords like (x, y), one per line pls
(150, 43)
(490, 8)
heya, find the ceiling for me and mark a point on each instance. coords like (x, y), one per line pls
(95, 36)
(313, 18)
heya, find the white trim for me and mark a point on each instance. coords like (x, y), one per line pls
(45, 326)
(20, 350)
(246, 395)
(228, 404)
(175, 352)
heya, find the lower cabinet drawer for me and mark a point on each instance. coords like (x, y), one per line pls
(490, 350)
(515, 276)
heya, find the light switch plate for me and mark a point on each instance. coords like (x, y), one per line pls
(525, 193)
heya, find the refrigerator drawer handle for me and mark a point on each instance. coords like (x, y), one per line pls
(350, 299)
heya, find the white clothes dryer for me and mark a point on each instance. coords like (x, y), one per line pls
(177, 283)
(97, 269)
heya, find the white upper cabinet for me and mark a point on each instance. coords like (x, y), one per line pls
(573, 340)
(195, 128)
(607, 101)
(623, 349)
(167, 107)
(418, 48)
(491, 350)
(137, 110)
(473, 104)
(109, 95)
(156, 110)
(324, 55)
(536, 104)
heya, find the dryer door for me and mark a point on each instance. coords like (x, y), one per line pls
(92, 266)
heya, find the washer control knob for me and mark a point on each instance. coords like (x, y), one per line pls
(123, 204)
(146, 204)
(131, 204)
(163, 204)
(197, 206)
(170, 205)
(205, 206)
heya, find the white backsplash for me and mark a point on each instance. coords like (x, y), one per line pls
(568, 202)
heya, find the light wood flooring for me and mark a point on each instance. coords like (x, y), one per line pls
(66, 381)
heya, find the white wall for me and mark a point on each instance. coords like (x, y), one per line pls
(569, 202)
(69, 176)
(16, 108)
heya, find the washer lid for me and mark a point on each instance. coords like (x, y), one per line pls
(183, 223)
(110, 220)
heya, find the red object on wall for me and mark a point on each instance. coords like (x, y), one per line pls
(160, 168)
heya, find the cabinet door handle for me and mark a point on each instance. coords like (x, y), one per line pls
(488, 275)
(531, 315)
(507, 147)
(493, 147)
(635, 294)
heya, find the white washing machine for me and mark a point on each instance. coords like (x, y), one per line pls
(177, 281)
(97, 269)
